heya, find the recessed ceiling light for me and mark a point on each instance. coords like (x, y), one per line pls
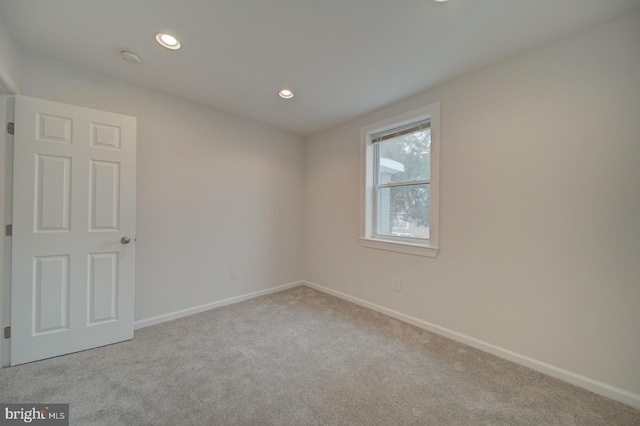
(168, 41)
(286, 94)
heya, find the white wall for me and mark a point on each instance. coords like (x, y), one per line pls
(214, 191)
(540, 208)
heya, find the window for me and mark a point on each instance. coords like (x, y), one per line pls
(399, 203)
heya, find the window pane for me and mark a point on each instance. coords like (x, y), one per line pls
(405, 158)
(403, 211)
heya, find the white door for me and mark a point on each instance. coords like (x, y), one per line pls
(72, 283)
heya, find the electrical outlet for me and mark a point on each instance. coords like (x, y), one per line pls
(233, 274)
(396, 285)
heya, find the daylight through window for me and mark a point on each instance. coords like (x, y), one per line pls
(399, 203)
(402, 178)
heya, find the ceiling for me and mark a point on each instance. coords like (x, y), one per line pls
(343, 58)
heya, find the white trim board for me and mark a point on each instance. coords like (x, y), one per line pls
(567, 376)
(197, 309)
(7, 85)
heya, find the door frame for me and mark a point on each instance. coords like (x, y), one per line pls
(7, 114)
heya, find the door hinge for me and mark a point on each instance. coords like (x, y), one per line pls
(7, 332)
(11, 127)
(8, 230)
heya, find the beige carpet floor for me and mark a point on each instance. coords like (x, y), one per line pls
(301, 357)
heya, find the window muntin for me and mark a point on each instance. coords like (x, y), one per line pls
(402, 157)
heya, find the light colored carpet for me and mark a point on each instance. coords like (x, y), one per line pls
(301, 357)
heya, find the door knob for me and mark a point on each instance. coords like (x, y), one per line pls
(125, 240)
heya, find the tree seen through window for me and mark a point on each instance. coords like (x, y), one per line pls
(403, 209)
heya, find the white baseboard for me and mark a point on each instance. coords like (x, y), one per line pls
(197, 309)
(567, 376)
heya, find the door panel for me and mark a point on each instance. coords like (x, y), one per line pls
(74, 199)
(105, 195)
(51, 295)
(103, 287)
(53, 193)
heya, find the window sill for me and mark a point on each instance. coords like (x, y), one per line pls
(400, 247)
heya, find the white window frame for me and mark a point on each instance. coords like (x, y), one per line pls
(368, 235)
